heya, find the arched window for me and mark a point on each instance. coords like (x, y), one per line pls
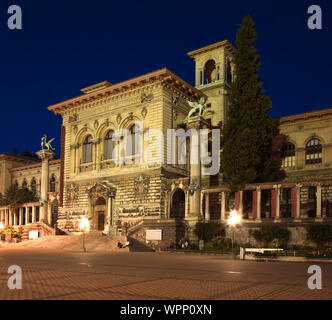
(87, 149)
(288, 155)
(24, 184)
(313, 151)
(228, 72)
(134, 144)
(210, 71)
(52, 184)
(33, 185)
(108, 145)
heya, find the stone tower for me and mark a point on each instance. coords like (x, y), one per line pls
(213, 75)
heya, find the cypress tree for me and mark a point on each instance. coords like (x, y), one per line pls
(248, 131)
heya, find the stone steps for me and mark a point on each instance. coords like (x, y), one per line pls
(94, 241)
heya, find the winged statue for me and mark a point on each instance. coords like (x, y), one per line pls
(197, 108)
(46, 145)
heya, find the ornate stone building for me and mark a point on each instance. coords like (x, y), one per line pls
(131, 194)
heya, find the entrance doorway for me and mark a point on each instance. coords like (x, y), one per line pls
(101, 220)
(178, 204)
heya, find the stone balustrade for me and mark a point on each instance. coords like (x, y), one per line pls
(291, 201)
(20, 216)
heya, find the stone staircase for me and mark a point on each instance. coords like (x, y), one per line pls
(43, 230)
(94, 242)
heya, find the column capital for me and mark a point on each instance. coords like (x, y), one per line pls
(45, 154)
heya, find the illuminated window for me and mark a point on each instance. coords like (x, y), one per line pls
(313, 151)
(134, 131)
(87, 149)
(108, 145)
(288, 155)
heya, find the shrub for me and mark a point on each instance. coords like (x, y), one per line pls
(220, 242)
(208, 230)
(268, 233)
(319, 233)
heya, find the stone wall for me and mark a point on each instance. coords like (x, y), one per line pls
(242, 234)
(171, 230)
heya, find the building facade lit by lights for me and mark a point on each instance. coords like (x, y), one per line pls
(131, 198)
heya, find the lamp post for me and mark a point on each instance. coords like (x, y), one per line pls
(84, 224)
(233, 220)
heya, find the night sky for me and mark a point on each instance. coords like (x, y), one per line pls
(67, 45)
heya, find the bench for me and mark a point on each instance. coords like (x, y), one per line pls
(263, 253)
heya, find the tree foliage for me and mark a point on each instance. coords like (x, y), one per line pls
(272, 233)
(319, 233)
(248, 131)
(15, 197)
(208, 230)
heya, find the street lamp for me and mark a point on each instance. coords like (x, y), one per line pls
(84, 224)
(233, 220)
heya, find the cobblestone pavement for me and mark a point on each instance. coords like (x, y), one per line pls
(75, 275)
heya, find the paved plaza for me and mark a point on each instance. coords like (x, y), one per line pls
(48, 274)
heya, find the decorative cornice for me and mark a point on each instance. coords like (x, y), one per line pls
(225, 43)
(127, 86)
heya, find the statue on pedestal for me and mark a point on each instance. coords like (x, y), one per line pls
(197, 108)
(46, 145)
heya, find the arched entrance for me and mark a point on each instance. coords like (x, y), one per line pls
(100, 211)
(100, 208)
(178, 204)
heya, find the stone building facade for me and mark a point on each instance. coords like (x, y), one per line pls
(94, 177)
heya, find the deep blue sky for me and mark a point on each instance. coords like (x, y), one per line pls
(67, 45)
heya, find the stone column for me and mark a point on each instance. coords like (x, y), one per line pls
(201, 205)
(14, 218)
(259, 203)
(49, 214)
(194, 190)
(319, 202)
(298, 201)
(277, 202)
(10, 217)
(241, 203)
(223, 206)
(207, 206)
(6, 218)
(196, 124)
(109, 227)
(20, 217)
(45, 156)
(186, 207)
(26, 215)
(2, 217)
(33, 214)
